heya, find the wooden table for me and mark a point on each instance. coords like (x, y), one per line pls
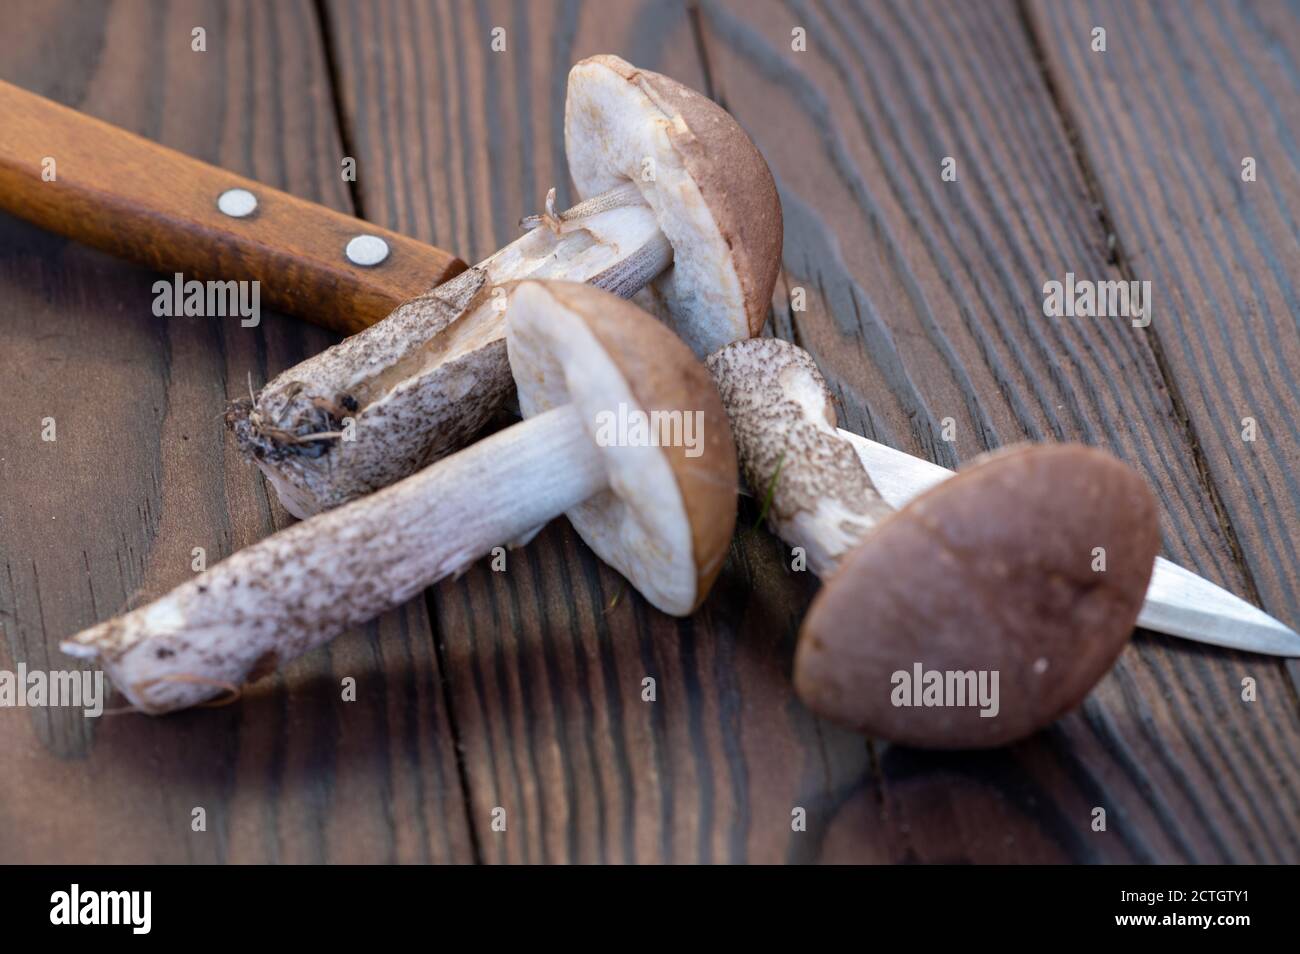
(922, 299)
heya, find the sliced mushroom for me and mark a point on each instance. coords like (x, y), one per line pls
(667, 175)
(658, 512)
(1030, 564)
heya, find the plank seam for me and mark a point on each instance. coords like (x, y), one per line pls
(330, 51)
(453, 727)
(702, 49)
(1121, 260)
(346, 140)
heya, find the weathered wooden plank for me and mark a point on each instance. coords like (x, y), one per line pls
(925, 303)
(1183, 95)
(545, 661)
(107, 515)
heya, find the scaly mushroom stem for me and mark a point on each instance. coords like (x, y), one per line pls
(306, 584)
(419, 384)
(817, 493)
(991, 573)
(673, 179)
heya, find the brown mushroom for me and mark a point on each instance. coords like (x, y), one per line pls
(980, 612)
(711, 191)
(673, 190)
(660, 512)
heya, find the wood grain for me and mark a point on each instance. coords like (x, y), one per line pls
(1165, 117)
(546, 661)
(925, 304)
(546, 677)
(107, 515)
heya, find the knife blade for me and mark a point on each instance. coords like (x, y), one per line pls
(1178, 602)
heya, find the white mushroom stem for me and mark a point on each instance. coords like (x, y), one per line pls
(304, 585)
(421, 383)
(817, 494)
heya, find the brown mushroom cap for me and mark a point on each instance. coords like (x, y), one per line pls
(990, 571)
(666, 520)
(712, 192)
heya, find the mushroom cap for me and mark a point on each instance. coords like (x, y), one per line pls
(666, 519)
(711, 191)
(991, 571)
(818, 494)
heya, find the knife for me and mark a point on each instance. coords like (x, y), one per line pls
(102, 186)
(142, 201)
(1178, 602)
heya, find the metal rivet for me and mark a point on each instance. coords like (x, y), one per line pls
(237, 203)
(367, 250)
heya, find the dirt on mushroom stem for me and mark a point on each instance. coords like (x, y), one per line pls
(429, 377)
(990, 572)
(421, 383)
(286, 594)
(814, 491)
(652, 511)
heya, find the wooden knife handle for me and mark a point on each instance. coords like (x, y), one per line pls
(134, 198)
